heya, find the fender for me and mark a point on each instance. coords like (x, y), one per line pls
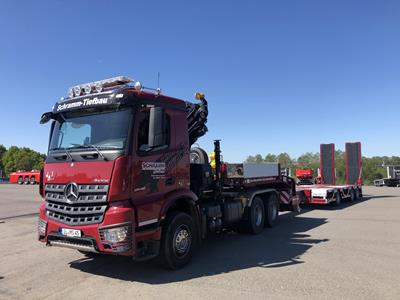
(191, 198)
(252, 193)
(172, 197)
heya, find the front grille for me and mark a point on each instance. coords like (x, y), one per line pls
(88, 208)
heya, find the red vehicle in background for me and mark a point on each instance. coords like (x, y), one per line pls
(21, 177)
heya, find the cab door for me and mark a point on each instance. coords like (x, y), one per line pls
(154, 165)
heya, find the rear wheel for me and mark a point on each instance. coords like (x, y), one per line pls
(178, 240)
(32, 180)
(255, 217)
(26, 180)
(272, 210)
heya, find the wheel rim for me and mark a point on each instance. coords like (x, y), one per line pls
(258, 215)
(182, 241)
(194, 158)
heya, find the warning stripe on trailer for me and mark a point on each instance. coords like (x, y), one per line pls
(285, 197)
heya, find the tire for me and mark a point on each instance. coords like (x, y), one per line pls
(198, 156)
(255, 217)
(26, 180)
(358, 194)
(178, 241)
(338, 198)
(20, 180)
(353, 196)
(272, 210)
(32, 180)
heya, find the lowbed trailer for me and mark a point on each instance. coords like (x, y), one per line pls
(325, 194)
(326, 191)
(121, 177)
(20, 177)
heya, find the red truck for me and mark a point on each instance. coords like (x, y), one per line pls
(121, 177)
(21, 177)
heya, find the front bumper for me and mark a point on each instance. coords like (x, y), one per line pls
(92, 236)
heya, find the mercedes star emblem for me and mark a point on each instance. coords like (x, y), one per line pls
(71, 192)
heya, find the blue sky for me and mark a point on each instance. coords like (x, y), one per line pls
(280, 76)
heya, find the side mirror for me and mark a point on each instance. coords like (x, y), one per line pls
(157, 135)
(46, 117)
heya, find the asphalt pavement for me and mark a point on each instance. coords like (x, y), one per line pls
(350, 252)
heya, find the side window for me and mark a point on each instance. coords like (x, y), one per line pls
(143, 134)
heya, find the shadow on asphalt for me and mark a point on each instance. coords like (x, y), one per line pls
(345, 203)
(281, 246)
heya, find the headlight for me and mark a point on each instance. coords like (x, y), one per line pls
(42, 225)
(116, 234)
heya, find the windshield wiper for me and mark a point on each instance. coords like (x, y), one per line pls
(90, 146)
(69, 154)
(65, 150)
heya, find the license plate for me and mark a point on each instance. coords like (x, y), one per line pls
(70, 232)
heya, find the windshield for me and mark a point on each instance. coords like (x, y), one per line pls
(101, 130)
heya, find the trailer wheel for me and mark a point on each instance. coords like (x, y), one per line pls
(26, 180)
(20, 180)
(338, 198)
(353, 196)
(198, 156)
(272, 210)
(32, 180)
(358, 194)
(177, 241)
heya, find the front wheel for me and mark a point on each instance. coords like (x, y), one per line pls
(178, 240)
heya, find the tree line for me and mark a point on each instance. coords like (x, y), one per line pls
(373, 167)
(26, 159)
(19, 159)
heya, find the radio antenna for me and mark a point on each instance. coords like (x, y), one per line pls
(158, 84)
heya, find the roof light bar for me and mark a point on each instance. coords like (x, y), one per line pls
(97, 86)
